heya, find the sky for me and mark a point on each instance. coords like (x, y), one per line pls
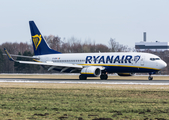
(95, 20)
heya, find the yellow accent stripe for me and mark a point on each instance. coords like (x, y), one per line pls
(118, 66)
(36, 60)
(86, 73)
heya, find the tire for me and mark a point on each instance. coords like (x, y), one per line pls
(81, 77)
(150, 78)
(106, 77)
(103, 77)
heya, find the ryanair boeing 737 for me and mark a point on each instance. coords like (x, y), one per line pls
(91, 64)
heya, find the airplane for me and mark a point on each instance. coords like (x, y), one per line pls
(91, 64)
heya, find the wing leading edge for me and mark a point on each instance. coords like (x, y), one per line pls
(61, 66)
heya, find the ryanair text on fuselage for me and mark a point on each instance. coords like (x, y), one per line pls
(112, 59)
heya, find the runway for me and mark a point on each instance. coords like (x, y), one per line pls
(90, 81)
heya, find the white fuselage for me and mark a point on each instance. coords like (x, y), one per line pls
(113, 62)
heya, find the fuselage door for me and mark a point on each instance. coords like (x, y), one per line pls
(156, 63)
(142, 61)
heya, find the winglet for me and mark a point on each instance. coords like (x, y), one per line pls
(9, 56)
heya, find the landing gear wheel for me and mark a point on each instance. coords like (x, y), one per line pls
(150, 78)
(103, 77)
(81, 77)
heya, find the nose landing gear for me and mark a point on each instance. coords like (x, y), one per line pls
(150, 77)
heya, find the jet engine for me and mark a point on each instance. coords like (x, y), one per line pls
(125, 74)
(91, 71)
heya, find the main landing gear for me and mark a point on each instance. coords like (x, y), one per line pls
(103, 76)
(81, 77)
(150, 77)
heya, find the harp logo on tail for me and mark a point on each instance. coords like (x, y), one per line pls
(36, 40)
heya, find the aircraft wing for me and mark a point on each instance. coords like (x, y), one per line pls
(52, 64)
(61, 66)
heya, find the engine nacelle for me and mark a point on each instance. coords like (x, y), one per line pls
(91, 71)
(125, 74)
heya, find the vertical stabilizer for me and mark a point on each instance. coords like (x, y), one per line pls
(39, 44)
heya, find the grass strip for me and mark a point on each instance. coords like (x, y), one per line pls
(82, 103)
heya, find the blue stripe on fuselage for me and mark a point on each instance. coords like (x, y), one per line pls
(116, 69)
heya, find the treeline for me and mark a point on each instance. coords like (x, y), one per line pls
(72, 45)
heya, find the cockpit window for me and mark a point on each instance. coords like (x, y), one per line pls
(153, 59)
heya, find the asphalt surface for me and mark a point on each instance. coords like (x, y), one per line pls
(90, 81)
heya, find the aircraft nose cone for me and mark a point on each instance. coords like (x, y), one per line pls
(163, 64)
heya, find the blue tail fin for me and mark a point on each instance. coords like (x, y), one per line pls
(39, 44)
